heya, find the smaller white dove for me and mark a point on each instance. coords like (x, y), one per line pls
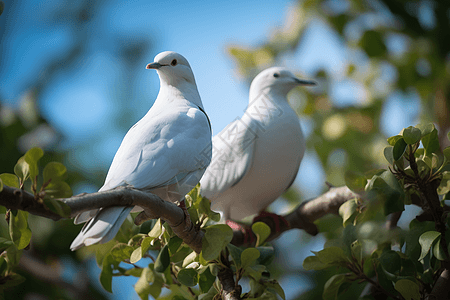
(165, 153)
(256, 157)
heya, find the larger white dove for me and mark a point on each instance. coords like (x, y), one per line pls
(256, 157)
(165, 153)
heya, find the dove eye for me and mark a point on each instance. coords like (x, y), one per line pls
(174, 62)
(276, 75)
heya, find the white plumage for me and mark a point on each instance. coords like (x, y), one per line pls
(256, 157)
(165, 153)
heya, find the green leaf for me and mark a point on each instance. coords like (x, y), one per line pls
(412, 135)
(58, 189)
(142, 286)
(54, 171)
(13, 279)
(444, 186)
(273, 284)
(121, 252)
(447, 152)
(348, 210)
(10, 180)
(248, 257)
(267, 254)
(389, 154)
(188, 277)
(58, 207)
(1, 185)
(139, 252)
(425, 129)
(391, 262)
(2, 7)
(215, 240)
(156, 230)
(399, 149)
(107, 272)
(4, 244)
(262, 232)
(314, 263)
(357, 250)
(32, 157)
(393, 139)
(438, 251)
(426, 240)
(430, 143)
(135, 272)
(192, 257)
(22, 169)
(332, 256)
(354, 181)
(206, 280)
(19, 230)
(408, 289)
(163, 260)
(235, 253)
(331, 288)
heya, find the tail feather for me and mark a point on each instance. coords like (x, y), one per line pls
(101, 228)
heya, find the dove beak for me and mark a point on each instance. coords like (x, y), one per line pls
(153, 65)
(305, 82)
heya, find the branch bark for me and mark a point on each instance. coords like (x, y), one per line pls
(304, 215)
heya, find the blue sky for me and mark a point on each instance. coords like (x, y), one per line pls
(80, 103)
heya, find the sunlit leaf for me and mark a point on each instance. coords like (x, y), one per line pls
(58, 189)
(19, 230)
(262, 232)
(121, 252)
(347, 211)
(22, 169)
(142, 286)
(32, 157)
(355, 181)
(426, 240)
(444, 186)
(10, 180)
(411, 135)
(54, 171)
(431, 142)
(425, 128)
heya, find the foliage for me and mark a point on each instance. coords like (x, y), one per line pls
(175, 266)
(399, 263)
(45, 190)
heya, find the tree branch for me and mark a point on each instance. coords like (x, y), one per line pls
(154, 207)
(305, 214)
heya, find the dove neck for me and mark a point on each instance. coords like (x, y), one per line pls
(183, 91)
(267, 93)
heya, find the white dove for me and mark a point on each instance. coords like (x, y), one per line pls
(165, 153)
(256, 157)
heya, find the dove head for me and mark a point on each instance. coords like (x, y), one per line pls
(275, 80)
(173, 69)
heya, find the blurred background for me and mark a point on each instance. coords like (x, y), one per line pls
(73, 81)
